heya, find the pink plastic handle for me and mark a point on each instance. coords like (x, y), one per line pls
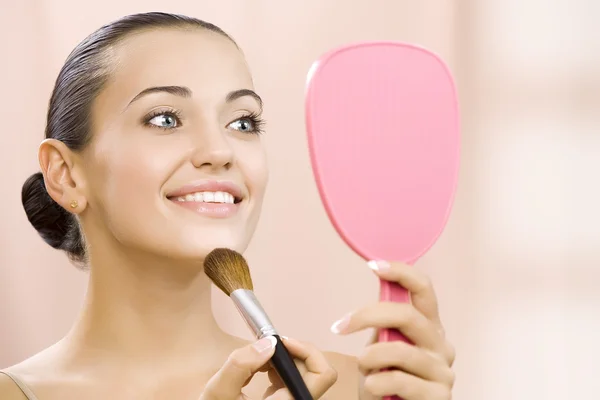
(392, 292)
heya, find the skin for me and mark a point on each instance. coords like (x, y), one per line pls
(145, 275)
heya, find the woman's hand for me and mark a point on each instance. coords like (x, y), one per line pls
(422, 371)
(243, 363)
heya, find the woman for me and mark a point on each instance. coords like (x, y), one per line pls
(153, 157)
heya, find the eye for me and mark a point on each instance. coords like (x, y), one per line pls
(164, 121)
(243, 125)
(251, 124)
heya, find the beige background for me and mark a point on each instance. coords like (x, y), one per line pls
(517, 268)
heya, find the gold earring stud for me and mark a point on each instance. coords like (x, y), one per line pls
(74, 204)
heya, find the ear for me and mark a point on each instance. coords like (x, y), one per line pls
(64, 181)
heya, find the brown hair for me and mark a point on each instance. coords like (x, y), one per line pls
(79, 82)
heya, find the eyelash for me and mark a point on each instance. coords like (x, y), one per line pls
(257, 121)
(170, 113)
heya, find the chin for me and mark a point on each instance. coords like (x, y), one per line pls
(197, 246)
(189, 239)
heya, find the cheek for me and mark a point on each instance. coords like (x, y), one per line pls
(254, 167)
(136, 175)
(131, 178)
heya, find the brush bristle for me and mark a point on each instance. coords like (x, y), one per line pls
(228, 270)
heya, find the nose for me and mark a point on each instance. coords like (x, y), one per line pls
(212, 149)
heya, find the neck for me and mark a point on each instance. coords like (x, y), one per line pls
(148, 310)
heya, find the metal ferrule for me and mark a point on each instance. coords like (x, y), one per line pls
(253, 313)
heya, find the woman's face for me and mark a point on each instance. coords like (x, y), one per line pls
(176, 166)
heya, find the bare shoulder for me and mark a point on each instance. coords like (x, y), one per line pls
(347, 385)
(30, 371)
(9, 390)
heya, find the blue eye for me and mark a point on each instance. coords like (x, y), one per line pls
(243, 125)
(164, 120)
(251, 124)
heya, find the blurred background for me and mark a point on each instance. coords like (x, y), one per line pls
(517, 268)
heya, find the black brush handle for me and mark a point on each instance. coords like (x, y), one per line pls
(289, 373)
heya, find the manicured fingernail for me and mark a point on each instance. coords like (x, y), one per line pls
(339, 326)
(265, 344)
(378, 265)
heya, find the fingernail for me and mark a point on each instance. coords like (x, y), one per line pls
(265, 344)
(339, 326)
(378, 265)
(284, 337)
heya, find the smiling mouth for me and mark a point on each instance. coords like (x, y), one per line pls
(208, 197)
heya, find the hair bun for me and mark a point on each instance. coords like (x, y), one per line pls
(50, 220)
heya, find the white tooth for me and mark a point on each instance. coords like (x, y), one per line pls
(209, 197)
(189, 197)
(198, 196)
(219, 197)
(229, 198)
(181, 198)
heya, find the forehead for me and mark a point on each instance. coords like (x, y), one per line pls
(206, 62)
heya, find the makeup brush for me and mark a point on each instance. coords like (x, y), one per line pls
(229, 272)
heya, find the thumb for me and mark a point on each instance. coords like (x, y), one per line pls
(241, 365)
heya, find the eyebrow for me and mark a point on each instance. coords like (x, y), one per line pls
(186, 92)
(236, 94)
(180, 91)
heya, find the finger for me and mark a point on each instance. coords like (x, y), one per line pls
(408, 358)
(275, 379)
(312, 358)
(419, 285)
(241, 365)
(271, 390)
(374, 337)
(450, 353)
(278, 394)
(319, 375)
(404, 385)
(266, 368)
(402, 316)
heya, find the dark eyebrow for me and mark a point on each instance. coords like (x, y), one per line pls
(180, 91)
(236, 94)
(186, 92)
